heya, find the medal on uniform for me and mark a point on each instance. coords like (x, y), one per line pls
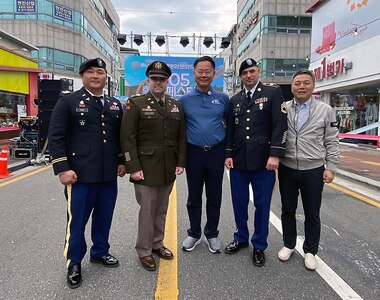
(259, 89)
(81, 104)
(261, 105)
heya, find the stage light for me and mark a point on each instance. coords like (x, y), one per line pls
(121, 38)
(184, 41)
(160, 40)
(225, 42)
(208, 41)
(138, 39)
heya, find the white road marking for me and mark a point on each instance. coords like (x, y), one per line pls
(332, 279)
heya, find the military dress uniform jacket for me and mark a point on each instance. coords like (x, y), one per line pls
(256, 128)
(84, 137)
(153, 139)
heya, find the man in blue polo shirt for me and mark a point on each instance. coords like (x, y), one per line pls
(205, 109)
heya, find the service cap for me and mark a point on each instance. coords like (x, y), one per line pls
(248, 63)
(92, 63)
(158, 69)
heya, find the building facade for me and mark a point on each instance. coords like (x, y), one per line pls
(276, 33)
(66, 32)
(345, 60)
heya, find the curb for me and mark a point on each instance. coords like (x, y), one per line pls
(361, 179)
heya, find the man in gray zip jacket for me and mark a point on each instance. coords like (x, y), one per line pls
(311, 159)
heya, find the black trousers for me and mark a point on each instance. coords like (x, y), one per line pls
(310, 184)
(204, 169)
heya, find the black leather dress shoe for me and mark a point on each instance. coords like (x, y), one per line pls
(235, 247)
(258, 257)
(74, 276)
(108, 261)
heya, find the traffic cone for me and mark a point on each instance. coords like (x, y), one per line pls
(4, 163)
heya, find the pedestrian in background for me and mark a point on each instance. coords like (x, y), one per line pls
(256, 134)
(153, 138)
(312, 143)
(84, 145)
(205, 109)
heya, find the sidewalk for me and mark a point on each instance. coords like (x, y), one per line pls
(360, 163)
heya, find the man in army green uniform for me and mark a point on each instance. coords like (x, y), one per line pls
(153, 139)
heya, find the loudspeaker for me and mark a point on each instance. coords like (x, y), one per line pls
(43, 126)
(49, 91)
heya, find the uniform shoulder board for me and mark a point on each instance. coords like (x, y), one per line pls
(64, 93)
(136, 95)
(271, 84)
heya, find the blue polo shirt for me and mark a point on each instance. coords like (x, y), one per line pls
(204, 114)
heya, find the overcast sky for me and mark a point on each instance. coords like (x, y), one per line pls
(176, 18)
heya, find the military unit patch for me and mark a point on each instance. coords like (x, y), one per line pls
(174, 109)
(283, 107)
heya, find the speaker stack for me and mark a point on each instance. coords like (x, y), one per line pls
(48, 93)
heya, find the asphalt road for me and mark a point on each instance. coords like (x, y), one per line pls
(33, 218)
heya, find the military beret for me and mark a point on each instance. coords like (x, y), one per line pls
(248, 63)
(158, 69)
(92, 63)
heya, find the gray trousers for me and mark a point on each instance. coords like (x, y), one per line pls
(153, 201)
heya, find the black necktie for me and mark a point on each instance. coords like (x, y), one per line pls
(161, 102)
(249, 94)
(99, 100)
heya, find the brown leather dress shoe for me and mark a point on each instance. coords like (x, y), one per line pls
(148, 263)
(163, 253)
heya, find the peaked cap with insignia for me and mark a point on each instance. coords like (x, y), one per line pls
(158, 69)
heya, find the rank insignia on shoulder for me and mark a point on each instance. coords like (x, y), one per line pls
(334, 124)
(271, 84)
(64, 93)
(283, 107)
(174, 109)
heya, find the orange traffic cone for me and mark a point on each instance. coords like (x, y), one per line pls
(4, 164)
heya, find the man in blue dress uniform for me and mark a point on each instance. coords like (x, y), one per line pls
(85, 148)
(255, 140)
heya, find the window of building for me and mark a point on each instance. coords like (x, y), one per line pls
(10, 105)
(275, 24)
(245, 9)
(281, 67)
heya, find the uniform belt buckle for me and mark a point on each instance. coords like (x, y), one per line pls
(207, 148)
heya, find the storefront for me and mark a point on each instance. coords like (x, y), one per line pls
(18, 89)
(345, 60)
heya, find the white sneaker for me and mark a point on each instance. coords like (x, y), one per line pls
(310, 262)
(285, 253)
